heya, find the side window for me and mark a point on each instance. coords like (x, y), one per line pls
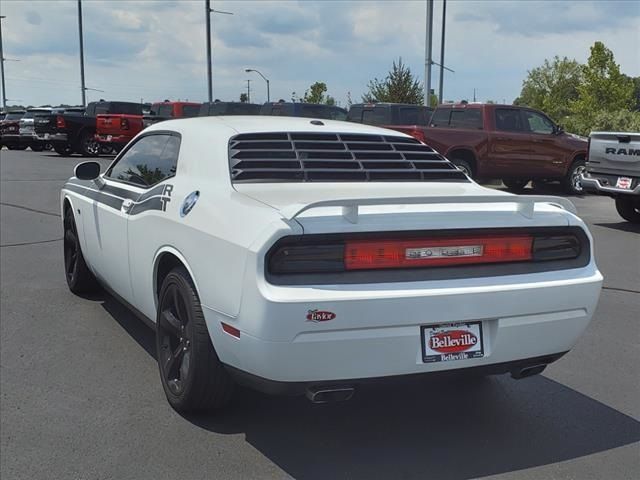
(409, 116)
(150, 160)
(509, 120)
(537, 123)
(165, 111)
(467, 118)
(440, 117)
(355, 114)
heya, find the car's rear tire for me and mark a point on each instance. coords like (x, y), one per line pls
(464, 166)
(64, 150)
(629, 208)
(571, 181)
(88, 147)
(37, 147)
(193, 378)
(79, 277)
(515, 184)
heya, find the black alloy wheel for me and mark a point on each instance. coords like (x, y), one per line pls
(79, 277)
(193, 378)
(175, 340)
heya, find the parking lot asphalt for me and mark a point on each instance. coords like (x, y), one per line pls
(80, 396)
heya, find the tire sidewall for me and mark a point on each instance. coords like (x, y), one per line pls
(569, 179)
(178, 278)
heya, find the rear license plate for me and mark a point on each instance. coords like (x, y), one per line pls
(46, 136)
(624, 182)
(109, 137)
(451, 341)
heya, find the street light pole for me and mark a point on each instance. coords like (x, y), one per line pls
(208, 12)
(82, 86)
(428, 60)
(264, 78)
(442, 67)
(4, 88)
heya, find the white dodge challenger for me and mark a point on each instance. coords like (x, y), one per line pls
(302, 256)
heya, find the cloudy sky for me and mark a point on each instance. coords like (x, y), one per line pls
(156, 49)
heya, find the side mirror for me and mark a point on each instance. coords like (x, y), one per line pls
(87, 171)
(559, 130)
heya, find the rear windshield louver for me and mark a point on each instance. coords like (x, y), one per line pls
(333, 157)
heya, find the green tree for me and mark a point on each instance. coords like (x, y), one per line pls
(244, 98)
(604, 89)
(315, 93)
(399, 86)
(552, 87)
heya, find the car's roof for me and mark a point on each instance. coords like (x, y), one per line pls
(261, 124)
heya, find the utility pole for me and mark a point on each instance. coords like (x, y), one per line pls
(4, 88)
(208, 12)
(428, 60)
(441, 84)
(248, 91)
(209, 74)
(84, 89)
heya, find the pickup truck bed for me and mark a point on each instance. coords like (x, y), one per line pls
(613, 169)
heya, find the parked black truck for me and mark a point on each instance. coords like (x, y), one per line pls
(73, 131)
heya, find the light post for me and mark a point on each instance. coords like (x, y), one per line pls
(263, 77)
(4, 89)
(209, 11)
(82, 86)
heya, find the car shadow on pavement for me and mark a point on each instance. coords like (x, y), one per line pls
(622, 226)
(446, 427)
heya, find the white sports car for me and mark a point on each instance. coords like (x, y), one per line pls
(296, 255)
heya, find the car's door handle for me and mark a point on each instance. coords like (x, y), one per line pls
(126, 206)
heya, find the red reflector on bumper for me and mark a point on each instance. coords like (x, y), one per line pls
(230, 330)
(383, 253)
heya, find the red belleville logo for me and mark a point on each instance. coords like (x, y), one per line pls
(320, 316)
(452, 341)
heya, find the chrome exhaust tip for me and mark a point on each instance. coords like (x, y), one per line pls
(528, 371)
(329, 394)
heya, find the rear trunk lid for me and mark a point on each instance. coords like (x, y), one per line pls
(376, 207)
(616, 153)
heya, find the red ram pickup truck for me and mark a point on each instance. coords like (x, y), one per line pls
(167, 110)
(516, 144)
(114, 131)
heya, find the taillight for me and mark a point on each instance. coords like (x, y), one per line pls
(374, 254)
(60, 122)
(418, 135)
(124, 124)
(326, 255)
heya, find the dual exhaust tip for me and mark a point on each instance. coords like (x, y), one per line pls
(330, 394)
(342, 393)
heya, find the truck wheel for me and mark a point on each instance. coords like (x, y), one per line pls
(629, 208)
(64, 150)
(464, 166)
(193, 378)
(88, 146)
(515, 184)
(79, 277)
(37, 148)
(571, 182)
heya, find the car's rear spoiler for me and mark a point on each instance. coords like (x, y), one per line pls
(525, 203)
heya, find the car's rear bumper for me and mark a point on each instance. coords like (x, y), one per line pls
(51, 137)
(113, 139)
(272, 387)
(376, 331)
(604, 183)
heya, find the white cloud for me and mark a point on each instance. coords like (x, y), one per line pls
(156, 50)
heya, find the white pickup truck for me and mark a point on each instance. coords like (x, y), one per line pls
(613, 169)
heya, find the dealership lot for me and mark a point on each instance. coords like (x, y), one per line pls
(80, 396)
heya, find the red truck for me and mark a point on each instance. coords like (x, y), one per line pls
(167, 110)
(515, 144)
(114, 131)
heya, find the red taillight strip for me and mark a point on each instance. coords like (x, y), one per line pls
(230, 330)
(392, 253)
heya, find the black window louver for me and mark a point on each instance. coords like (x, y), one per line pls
(335, 157)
